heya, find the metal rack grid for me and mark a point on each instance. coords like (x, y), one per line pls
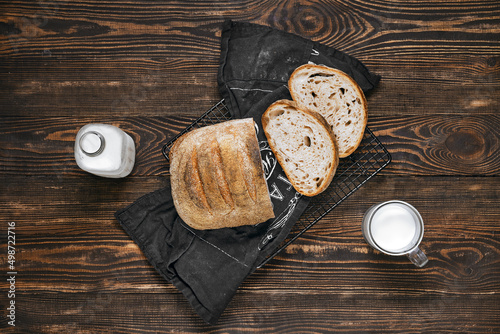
(352, 173)
(217, 114)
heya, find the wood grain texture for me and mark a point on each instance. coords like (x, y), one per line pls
(164, 87)
(97, 28)
(87, 236)
(161, 59)
(419, 145)
(451, 145)
(150, 68)
(257, 313)
(81, 268)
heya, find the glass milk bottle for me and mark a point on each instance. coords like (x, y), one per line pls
(104, 150)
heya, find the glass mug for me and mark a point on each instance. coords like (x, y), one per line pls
(395, 228)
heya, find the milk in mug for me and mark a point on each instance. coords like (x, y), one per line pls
(395, 228)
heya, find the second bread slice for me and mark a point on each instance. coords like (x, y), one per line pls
(304, 145)
(337, 97)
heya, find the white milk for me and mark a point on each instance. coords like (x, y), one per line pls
(104, 150)
(394, 228)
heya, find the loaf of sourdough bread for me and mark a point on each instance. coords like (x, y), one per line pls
(304, 145)
(217, 179)
(337, 97)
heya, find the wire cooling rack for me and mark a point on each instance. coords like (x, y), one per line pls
(217, 114)
(352, 173)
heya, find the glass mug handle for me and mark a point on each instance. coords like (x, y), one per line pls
(418, 257)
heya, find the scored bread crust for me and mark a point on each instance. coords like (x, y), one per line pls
(337, 97)
(217, 179)
(304, 145)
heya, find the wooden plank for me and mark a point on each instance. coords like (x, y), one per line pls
(68, 239)
(48, 312)
(174, 86)
(107, 88)
(79, 272)
(419, 145)
(163, 58)
(366, 29)
(441, 145)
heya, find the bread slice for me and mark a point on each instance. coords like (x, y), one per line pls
(217, 179)
(337, 97)
(304, 145)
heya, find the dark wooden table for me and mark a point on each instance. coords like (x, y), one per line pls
(150, 68)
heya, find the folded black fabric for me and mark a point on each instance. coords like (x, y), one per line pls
(209, 266)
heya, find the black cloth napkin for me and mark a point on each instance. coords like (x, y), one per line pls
(209, 266)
